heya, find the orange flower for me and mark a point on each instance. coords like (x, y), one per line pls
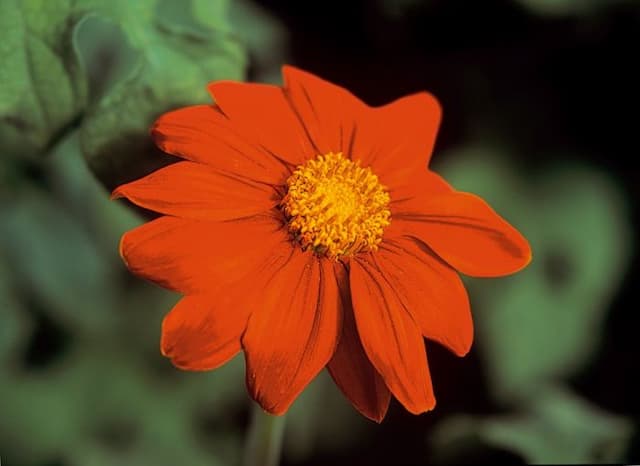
(305, 229)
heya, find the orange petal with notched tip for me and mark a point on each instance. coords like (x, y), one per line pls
(203, 332)
(203, 134)
(262, 112)
(390, 337)
(394, 140)
(430, 290)
(350, 368)
(328, 112)
(468, 234)
(293, 331)
(397, 139)
(191, 190)
(192, 256)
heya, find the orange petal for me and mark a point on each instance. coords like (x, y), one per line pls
(351, 369)
(203, 134)
(468, 234)
(329, 112)
(192, 190)
(193, 256)
(390, 337)
(430, 290)
(203, 332)
(293, 331)
(262, 112)
(397, 139)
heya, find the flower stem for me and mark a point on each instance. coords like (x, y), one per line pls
(264, 440)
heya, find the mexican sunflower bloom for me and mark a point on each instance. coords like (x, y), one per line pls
(304, 228)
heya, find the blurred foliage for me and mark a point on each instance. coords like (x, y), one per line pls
(109, 69)
(554, 428)
(82, 382)
(81, 378)
(265, 38)
(544, 323)
(539, 327)
(80, 337)
(43, 85)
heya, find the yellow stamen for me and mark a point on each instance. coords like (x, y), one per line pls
(336, 207)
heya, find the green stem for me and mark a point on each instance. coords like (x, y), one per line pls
(264, 440)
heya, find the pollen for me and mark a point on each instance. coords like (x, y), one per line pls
(336, 207)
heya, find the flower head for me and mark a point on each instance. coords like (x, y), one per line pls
(336, 207)
(304, 228)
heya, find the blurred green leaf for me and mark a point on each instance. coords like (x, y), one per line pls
(110, 408)
(43, 87)
(117, 399)
(55, 261)
(556, 428)
(265, 37)
(545, 323)
(176, 57)
(73, 185)
(105, 53)
(15, 325)
(109, 68)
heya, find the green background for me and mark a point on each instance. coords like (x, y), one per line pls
(535, 95)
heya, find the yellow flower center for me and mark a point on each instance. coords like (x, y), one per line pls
(336, 207)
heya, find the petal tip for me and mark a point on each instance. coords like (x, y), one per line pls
(165, 346)
(526, 255)
(288, 70)
(275, 410)
(156, 134)
(432, 101)
(215, 87)
(467, 343)
(378, 417)
(165, 349)
(116, 194)
(275, 407)
(461, 353)
(428, 405)
(121, 248)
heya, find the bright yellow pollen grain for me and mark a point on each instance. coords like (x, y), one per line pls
(336, 207)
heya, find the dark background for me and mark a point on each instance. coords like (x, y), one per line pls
(549, 86)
